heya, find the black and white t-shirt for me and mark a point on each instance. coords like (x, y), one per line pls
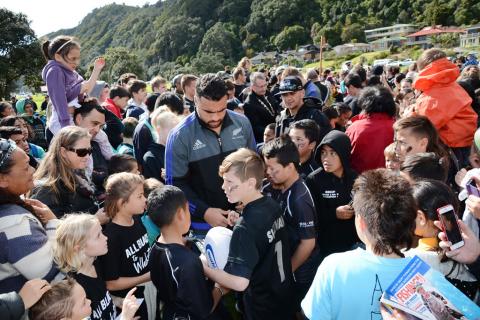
(180, 281)
(128, 253)
(300, 217)
(259, 251)
(96, 290)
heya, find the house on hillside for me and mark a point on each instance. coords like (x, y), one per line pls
(311, 52)
(386, 43)
(423, 38)
(348, 48)
(269, 58)
(471, 37)
(385, 37)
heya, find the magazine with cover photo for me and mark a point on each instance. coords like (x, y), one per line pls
(424, 293)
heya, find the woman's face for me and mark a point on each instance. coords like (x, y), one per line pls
(28, 108)
(20, 178)
(8, 111)
(22, 124)
(74, 160)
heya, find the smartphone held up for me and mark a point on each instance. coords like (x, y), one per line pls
(448, 219)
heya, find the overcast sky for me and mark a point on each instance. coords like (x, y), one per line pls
(51, 15)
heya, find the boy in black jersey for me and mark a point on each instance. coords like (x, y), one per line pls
(177, 272)
(283, 160)
(259, 258)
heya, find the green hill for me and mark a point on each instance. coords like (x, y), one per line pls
(203, 34)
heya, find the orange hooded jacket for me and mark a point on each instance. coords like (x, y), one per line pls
(446, 103)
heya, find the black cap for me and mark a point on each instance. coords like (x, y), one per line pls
(290, 84)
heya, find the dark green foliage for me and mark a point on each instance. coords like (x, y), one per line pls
(20, 54)
(173, 35)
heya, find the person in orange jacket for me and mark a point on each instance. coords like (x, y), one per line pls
(445, 102)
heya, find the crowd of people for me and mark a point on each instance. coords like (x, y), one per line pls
(330, 183)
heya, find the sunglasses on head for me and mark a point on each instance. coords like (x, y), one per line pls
(6, 148)
(81, 152)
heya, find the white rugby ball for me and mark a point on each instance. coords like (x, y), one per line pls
(217, 246)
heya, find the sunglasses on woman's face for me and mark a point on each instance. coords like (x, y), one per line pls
(82, 152)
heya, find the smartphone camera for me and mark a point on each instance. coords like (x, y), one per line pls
(450, 226)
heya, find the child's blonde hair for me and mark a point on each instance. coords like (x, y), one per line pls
(55, 304)
(390, 153)
(70, 238)
(246, 164)
(118, 188)
(151, 184)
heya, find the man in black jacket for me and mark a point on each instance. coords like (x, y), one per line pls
(258, 109)
(292, 91)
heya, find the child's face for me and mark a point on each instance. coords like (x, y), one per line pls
(231, 187)
(140, 95)
(186, 218)
(407, 143)
(277, 173)
(96, 244)
(137, 202)
(121, 102)
(81, 308)
(391, 163)
(268, 135)
(134, 167)
(331, 162)
(71, 59)
(304, 146)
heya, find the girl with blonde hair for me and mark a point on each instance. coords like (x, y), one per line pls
(78, 242)
(66, 300)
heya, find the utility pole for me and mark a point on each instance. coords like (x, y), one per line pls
(322, 42)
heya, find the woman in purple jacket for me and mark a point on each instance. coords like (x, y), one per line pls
(64, 84)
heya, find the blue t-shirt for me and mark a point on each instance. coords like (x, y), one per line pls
(349, 285)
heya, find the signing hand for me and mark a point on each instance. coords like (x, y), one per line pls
(345, 212)
(216, 217)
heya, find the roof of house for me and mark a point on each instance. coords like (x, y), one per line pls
(351, 45)
(436, 30)
(391, 27)
(473, 27)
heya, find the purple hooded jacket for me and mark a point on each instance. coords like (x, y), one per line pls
(63, 85)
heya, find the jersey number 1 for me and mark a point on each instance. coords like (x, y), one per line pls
(278, 252)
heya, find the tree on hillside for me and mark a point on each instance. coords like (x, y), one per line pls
(119, 61)
(219, 39)
(179, 35)
(438, 13)
(204, 63)
(290, 37)
(468, 12)
(20, 54)
(353, 33)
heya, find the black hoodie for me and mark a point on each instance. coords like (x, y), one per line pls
(330, 192)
